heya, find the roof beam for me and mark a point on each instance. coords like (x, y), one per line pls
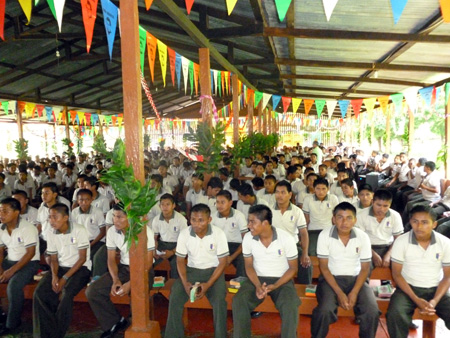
(234, 32)
(338, 90)
(361, 65)
(299, 33)
(318, 96)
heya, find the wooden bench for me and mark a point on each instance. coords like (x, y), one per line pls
(306, 308)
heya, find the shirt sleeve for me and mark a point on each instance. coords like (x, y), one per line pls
(246, 245)
(150, 239)
(30, 236)
(301, 221)
(2, 245)
(366, 248)
(222, 243)
(181, 250)
(397, 227)
(398, 250)
(242, 222)
(51, 245)
(155, 227)
(290, 248)
(83, 238)
(306, 205)
(323, 249)
(110, 244)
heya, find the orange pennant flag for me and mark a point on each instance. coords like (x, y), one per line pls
(249, 94)
(148, 3)
(189, 4)
(384, 100)
(356, 104)
(73, 116)
(308, 104)
(196, 71)
(113, 119)
(20, 106)
(445, 10)
(222, 77)
(172, 60)
(151, 50)
(89, 10)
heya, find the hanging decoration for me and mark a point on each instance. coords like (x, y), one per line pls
(328, 6)
(151, 50)
(308, 104)
(149, 95)
(213, 105)
(397, 8)
(295, 104)
(59, 9)
(148, 4)
(331, 106)
(356, 105)
(89, 11)
(110, 13)
(445, 10)
(230, 5)
(320, 104)
(343, 105)
(282, 8)
(2, 18)
(189, 4)
(162, 48)
(26, 8)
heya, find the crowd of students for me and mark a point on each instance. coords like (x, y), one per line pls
(266, 217)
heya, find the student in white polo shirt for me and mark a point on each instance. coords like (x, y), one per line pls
(213, 187)
(247, 198)
(365, 198)
(27, 212)
(271, 263)
(207, 251)
(290, 218)
(383, 225)
(268, 193)
(20, 241)
(68, 247)
(421, 271)
(194, 193)
(318, 211)
(308, 190)
(167, 227)
(344, 261)
(350, 194)
(117, 280)
(335, 188)
(234, 224)
(98, 200)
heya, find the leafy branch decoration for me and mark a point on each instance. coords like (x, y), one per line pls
(21, 148)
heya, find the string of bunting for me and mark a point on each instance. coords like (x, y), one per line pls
(149, 95)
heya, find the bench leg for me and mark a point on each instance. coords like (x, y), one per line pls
(185, 317)
(429, 329)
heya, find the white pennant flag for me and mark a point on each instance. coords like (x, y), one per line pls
(265, 99)
(185, 67)
(59, 8)
(12, 106)
(331, 104)
(410, 95)
(328, 6)
(215, 81)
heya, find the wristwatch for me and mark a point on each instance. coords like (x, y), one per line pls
(65, 278)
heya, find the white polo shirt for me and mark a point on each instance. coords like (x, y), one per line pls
(336, 189)
(30, 214)
(380, 233)
(320, 212)
(18, 185)
(203, 253)
(66, 245)
(193, 197)
(422, 268)
(170, 182)
(291, 221)
(269, 198)
(109, 221)
(209, 201)
(102, 203)
(234, 225)
(351, 200)
(169, 231)
(244, 208)
(273, 260)
(5, 191)
(297, 186)
(300, 198)
(115, 239)
(432, 181)
(344, 260)
(92, 220)
(23, 236)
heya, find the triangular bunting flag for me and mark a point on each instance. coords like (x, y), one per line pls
(282, 8)
(275, 101)
(411, 98)
(397, 100)
(369, 104)
(445, 10)
(89, 10)
(258, 97)
(437, 92)
(162, 49)
(219, 83)
(308, 104)
(29, 109)
(73, 116)
(51, 5)
(320, 104)
(286, 103)
(21, 106)
(343, 105)
(40, 109)
(383, 101)
(48, 113)
(196, 74)
(226, 82)
(142, 46)
(222, 79)
(265, 100)
(113, 120)
(81, 118)
(295, 104)
(328, 6)
(178, 69)
(59, 9)
(189, 4)
(426, 94)
(397, 8)
(230, 5)
(2, 18)
(331, 106)
(151, 52)
(172, 61)
(148, 3)
(447, 91)
(26, 5)
(216, 74)
(5, 106)
(356, 105)
(191, 75)
(110, 13)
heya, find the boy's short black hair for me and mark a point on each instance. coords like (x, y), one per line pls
(343, 206)
(431, 165)
(246, 190)
(382, 195)
(261, 212)
(157, 177)
(201, 208)
(312, 174)
(258, 182)
(12, 202)
(322, 181)
(167, 197)
(347, 181)
(51, 185)
(60, 208)
(366, 186)
(291, 170)
(270, 177)
(226, 194)
(284, 183)
(198, 176)
(215, 182)
(423, 208)
(84, 192)
(306, 161)
(93, 182)
(20, 192)
(224, 172)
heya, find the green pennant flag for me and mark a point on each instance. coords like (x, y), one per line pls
(397, 99)
(108, 120)
(191, 76)
(5, 105)
(142, 45)
(219, 82)
(51, 4)
(36, 2)
(282, 8)
(319, 107)
(447, 92)
(258, 97)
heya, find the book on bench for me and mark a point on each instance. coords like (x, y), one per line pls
(310, 290)
(158, 281)
(236, 282)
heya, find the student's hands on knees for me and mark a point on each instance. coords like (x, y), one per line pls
(377, 260)
(426, 308)
(6, 275)
(203, 287)
(116, 287)
(386, 260)
(343, 301)
(187, 287)
(261, 291)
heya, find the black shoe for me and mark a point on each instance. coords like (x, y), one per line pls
(413, 326)
(2, 317)
(256, 314)
(120, 325)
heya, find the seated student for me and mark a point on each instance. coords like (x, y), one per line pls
(69, 251)
(19, 258)
(350, 194)
(79, 185)
(92, 218)
(318, 210)
(323, 173)
(27, 212)
(69, 180)
(257, 184)
(98, 200)
(22, 183)
(344, 261)
(224, 175)
(5, 190)
(336, 188)
(332, 170)
(235, 184)
(167, 228)
(259, 170)
(51, 177)
(365, 198)
(309, 190)
(234, 225)
(268, 193)
(270, 256)
(11, 175)
(212, 188)
(247, 198)
(194, 193)
(117, 280)
(421, 271)
(170, 183)
(207, 250)
(383, 225)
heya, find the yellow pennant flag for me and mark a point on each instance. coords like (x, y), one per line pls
(60, 115)
(162, 48)
(27, 6)
(369, 104)
(230, 5)
(384, 100)
(29, 109)
(81, 118)
(295, 104)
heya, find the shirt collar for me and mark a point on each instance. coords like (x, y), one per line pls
(413, 239)
(316, 199)
(230, 215)
(86, 213)
(161, 216)
(388, 214)
(334, 233)
(69, 230)
(3, 226)
(274, 235)
(277, 208)
(208, 232)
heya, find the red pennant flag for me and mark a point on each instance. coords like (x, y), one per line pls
(148, 3)
(356, 104)
(151, 50)
(189, 4)
(308, 104)
(89, 10)
(87, 118)
(2, 18)
(40, 109)
(286, 103)
(172, 59)
(196, 72)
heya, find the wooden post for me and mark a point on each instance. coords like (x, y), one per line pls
(235, 85)
(411, 130)
(388, 130)
(265, 122)
(447, 140)
(348, 130)
(100, 124)
(251, 102)
(269, 121)
(19, 120)
(259, 116)
(132, 104)
(66, 115)
(205, 84)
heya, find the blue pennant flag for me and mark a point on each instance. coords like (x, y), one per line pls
(397, 8)
(178, 69)
(48, 113)
(275, 100)
(212, 81)
(110, 14)
(438, 92)
(426, 94)
(94, 119)
(343, 104)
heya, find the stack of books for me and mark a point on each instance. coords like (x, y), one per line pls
(158, 282)
(385, 291)
(235, 284)
(310, 290)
